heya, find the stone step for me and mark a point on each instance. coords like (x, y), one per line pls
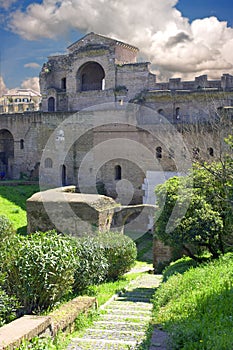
(93, 333)
(129, 312)
(125, 326)
(130, 318)
(129, 305)
(92, 344)
(134, 299)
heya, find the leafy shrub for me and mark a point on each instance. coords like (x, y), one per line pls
(178, 267)
(6, 228)
(41, 269)
(120, 251)
(93, 265)
(8, 307)
(196, 307)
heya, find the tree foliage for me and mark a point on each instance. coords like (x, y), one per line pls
(208, 222)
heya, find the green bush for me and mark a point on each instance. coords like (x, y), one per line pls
(40, 270)
(92, 268)
(120, 251)
(8, 305)
(178, 267)
(196, 307)
(6, 229)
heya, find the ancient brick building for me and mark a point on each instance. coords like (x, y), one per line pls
(105, 120)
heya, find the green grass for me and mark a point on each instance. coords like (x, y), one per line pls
(13, 204)
(196, 308)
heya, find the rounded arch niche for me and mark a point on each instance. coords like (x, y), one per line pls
(90, 76)
(6, 152)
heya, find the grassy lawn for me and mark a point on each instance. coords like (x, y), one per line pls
(196, 308)
(13, 204)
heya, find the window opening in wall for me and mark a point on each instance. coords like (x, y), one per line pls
(63, 84)
(51, 104)
(48, 163)
(159, 152)
(63, 175)
(117, 172)
(178, 113)
(21, 144)
(211, 151)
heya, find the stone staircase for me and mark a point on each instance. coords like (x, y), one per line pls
(123, 320)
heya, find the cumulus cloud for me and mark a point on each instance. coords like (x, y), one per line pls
(6, 4)
(31, 83)
(32, 65)
(3, 88)
(175, 46)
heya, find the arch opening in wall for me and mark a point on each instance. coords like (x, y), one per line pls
(118, 172)
(6, 153)
(90, 77)
(51, 104)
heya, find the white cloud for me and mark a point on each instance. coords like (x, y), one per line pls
(32, 65)
(6, 4)
(3, 88)
(173, 45)
(31, 83)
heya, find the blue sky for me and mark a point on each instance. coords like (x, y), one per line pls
(181, 38)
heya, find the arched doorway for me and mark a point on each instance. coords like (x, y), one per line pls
(51, 104)
(6, 153)
(90, 76)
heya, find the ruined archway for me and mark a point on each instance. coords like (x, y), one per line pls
(90, 76)
(6, 153)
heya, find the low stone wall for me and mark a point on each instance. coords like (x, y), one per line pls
(30, 326)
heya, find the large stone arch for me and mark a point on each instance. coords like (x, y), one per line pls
(6, 153)
(90, 76)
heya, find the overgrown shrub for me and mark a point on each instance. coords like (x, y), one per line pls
(41, 269)
(93, 265)
(120, 251)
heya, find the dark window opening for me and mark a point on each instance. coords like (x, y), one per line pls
(63, 175)
(63, 84)
(211, 151)
(48, 163)
(117, 172)
(21, 144)
(51, 104)
(159, 152)
(178, 113)
(160, 111)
